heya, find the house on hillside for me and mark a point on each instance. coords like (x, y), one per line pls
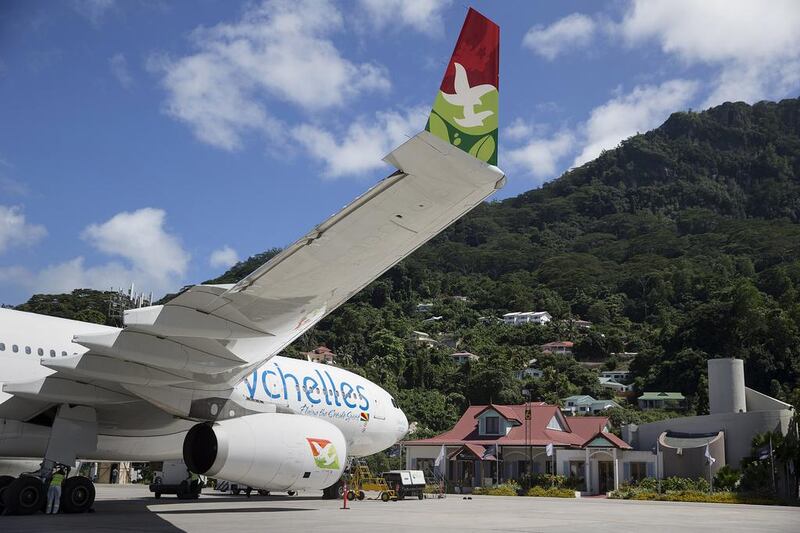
(519, 318)
(495, 443)
(558, 347)
(662, 400)
(530, 371)
(620, 376)
(321, 354)
(620, 389)
(425, 307)
(585, 405)
(462, 357)
(421, 338)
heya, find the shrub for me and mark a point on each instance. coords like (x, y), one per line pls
(629, 493)
(509, 488)
(549, 481)
(727, 479)
(552, 492)
(682, 484)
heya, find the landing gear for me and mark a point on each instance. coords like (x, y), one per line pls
(25, 495)
(74, 432)
(5, 481)
(77, 495)
(291, 492)
(334, 492)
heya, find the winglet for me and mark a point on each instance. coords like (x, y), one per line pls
(465, 111)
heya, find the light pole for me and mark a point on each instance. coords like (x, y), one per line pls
(527, 394)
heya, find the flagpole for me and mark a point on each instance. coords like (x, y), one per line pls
(772, 466)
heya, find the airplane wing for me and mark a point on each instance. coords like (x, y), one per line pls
(211, 335)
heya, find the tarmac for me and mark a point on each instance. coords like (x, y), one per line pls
(132, 508)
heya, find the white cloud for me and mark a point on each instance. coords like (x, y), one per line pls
(93, 10)
(364, 144)
(540, 157)
(573, 31)
(638, 111)
(424, 16)
(223, 258)
(16, 231)
(278, 49)
(642, 109)
(751, 42)
(119, 68)
(143, 252)
(519, 129)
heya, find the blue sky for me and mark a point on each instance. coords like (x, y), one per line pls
(157, 142)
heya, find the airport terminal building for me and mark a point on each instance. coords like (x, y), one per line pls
(495, 443)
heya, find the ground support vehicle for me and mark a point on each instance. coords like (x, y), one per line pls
(406, 483)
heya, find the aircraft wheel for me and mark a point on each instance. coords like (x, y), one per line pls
(24, 495)
(291, 492)
(77, 495)
(262, 492)
(5, 481)
(384, 496)
(236, 491)
(420, 496)
(361, 495)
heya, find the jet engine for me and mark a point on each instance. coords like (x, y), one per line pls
(272, 451)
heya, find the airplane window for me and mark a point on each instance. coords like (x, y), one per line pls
(2, 347)
(40, 352)
(63, 354)
(52, 353)
(15, 348)
(28, 350)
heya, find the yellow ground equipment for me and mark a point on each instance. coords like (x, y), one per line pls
(362, 482)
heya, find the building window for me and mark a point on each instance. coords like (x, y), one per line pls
(426, 465)
(576, 470)
(492, 425)
(638, 471)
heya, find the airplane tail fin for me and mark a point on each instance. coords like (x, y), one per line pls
(465, 110)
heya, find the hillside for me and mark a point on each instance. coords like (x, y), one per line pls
(680, 245)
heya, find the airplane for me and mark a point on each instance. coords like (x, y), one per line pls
(198, 378)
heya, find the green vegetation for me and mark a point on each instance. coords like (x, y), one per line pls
(552, 492)
(680, 245)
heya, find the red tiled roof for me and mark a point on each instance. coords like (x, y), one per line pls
(616, 441)
(504, 410)
(559, 344)
(580, 429)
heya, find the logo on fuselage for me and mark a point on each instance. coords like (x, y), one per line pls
(315, 388)
(324, 453)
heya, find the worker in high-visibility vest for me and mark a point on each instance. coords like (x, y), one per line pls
(54, 491)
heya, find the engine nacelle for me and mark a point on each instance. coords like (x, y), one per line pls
(271, 451)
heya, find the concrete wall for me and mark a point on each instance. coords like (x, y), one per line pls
(692, 462)
(757, 401)
(739, 429)
(726, 386)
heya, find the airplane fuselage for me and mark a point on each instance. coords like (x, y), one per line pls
(367, 415)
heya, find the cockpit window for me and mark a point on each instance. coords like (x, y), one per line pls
(394, 403)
